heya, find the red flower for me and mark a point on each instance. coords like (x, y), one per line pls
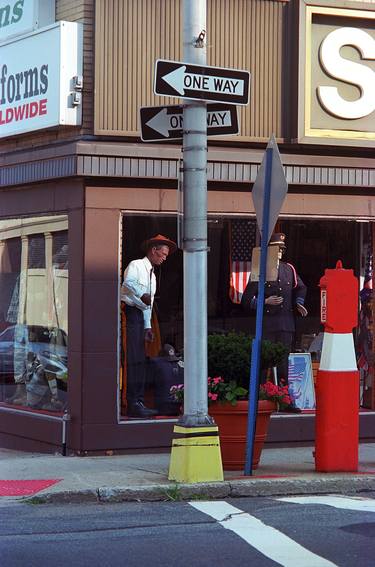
(278, 394)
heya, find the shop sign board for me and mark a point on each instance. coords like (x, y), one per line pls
(18, 17)
(167, 122)
(174, 78)
(38, 79)
(337, 75)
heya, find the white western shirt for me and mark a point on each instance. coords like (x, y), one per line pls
(139, 278)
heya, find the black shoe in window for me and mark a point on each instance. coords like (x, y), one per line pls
(139, 410)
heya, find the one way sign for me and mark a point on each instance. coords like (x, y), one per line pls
(173, 78)
(166, 122)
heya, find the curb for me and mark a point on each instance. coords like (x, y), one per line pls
(210, 490)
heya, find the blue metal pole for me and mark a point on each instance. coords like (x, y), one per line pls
(257, 341)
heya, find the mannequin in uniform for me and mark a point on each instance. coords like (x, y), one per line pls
(283, 298)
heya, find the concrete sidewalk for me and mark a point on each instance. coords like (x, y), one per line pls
(144, 477)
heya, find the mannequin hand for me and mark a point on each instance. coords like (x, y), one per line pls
(302, 309)
(146, 298)
(149, 335)
(274, 300)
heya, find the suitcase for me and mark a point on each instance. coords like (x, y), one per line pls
(164, 374)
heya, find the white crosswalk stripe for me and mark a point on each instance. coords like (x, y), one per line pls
(342, 502)
(284, 550)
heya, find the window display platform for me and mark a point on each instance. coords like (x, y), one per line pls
(301, 427)
(295, 428)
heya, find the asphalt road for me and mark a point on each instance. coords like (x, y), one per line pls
(313, 532)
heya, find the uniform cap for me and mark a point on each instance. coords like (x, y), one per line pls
(278, 239)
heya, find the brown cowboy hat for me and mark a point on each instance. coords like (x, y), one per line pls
(159, 240)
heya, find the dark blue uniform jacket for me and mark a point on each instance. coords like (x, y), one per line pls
(289, 286)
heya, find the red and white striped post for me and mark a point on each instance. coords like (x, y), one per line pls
(337, 386)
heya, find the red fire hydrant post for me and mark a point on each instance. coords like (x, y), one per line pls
(337, 386)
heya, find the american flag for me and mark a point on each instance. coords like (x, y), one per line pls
(242, 242)
(300, 381)
(365, 336)
(366, 291)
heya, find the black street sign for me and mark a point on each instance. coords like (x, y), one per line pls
(166, 122)
(173, 78)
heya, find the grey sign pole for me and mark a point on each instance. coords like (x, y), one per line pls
(195, 455)
(195, 226)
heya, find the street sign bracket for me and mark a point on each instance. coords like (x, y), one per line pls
(194, 131)
(193, 169)
(186, 148)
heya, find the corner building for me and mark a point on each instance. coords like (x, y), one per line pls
(80, 191)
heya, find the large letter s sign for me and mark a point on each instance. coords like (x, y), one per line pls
(349, 72)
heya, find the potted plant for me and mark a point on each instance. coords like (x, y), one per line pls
(229, 357)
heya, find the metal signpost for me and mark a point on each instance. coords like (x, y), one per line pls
(167, 122)
(174, 78)
(269, 192)
(193, 121)
(195, 433)
(194, 148)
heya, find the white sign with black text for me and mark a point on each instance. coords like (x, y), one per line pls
(38, 80)
(217, 84)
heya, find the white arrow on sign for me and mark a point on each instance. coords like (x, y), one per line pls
(180, 80)
(163, 122)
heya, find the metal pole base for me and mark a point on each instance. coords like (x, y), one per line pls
(196, 455)
(195, 420)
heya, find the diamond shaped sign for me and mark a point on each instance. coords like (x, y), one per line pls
(279, 189)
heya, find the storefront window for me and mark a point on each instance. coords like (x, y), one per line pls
(312, 246)
(34, 313)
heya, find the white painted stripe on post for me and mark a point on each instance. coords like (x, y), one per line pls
(269, 541)
(338, 353)
(342, 502)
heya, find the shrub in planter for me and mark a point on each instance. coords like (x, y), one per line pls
(229, 356)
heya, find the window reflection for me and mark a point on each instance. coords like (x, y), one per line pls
(33, 313)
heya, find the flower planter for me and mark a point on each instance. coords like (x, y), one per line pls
(232, 423)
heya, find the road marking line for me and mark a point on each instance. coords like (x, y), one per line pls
(342, 502)
(269, 541)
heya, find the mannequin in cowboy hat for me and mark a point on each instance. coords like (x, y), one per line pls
(283, 298)
(137, 294)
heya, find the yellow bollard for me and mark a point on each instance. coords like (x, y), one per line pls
(195, 455)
